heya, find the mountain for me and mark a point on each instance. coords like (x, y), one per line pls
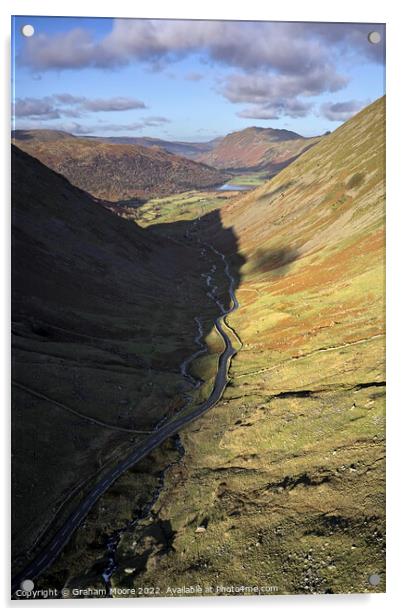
(102, 318)
(116, 172)
(284, 479)
(188, 149)
(256, 149)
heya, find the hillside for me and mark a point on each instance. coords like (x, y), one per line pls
(256, 149)
(286, 475)
(283, 480)
(116, 172)
(102, 318)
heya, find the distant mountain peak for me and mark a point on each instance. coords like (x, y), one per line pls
(257, 148)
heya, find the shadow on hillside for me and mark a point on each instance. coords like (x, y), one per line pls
(208, 232)
(277, 262)
(209, 229)
(103, 317)
(22, 135)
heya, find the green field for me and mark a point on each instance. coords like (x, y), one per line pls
(250, 179)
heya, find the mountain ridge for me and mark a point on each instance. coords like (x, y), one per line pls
(117, 172)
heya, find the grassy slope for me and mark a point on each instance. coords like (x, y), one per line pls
(116, 172)
(103, 315)
(287, 472)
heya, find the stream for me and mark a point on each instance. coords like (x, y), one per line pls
(166, 428)
(112, 542)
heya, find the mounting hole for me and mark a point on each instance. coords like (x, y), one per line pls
(27, 585)
(374, 38)
(374, 579)
(28, 30)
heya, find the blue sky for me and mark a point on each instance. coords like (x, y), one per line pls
(191, 80)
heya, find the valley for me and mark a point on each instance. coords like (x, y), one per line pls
(261, 315)
(285, 476)
(91, 347)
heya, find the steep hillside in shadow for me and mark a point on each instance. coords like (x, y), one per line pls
(116, 172)
(103, 317)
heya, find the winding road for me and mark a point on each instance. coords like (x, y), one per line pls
(51, 551)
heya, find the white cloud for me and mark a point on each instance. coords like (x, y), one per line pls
(275, 64)
(59, 105)
(293, 48)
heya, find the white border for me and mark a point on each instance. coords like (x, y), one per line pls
(291, 10)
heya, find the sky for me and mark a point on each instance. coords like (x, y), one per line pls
(191, 80)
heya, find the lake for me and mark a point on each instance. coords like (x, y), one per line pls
(235, 187)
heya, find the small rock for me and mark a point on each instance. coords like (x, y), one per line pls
(200, 529)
